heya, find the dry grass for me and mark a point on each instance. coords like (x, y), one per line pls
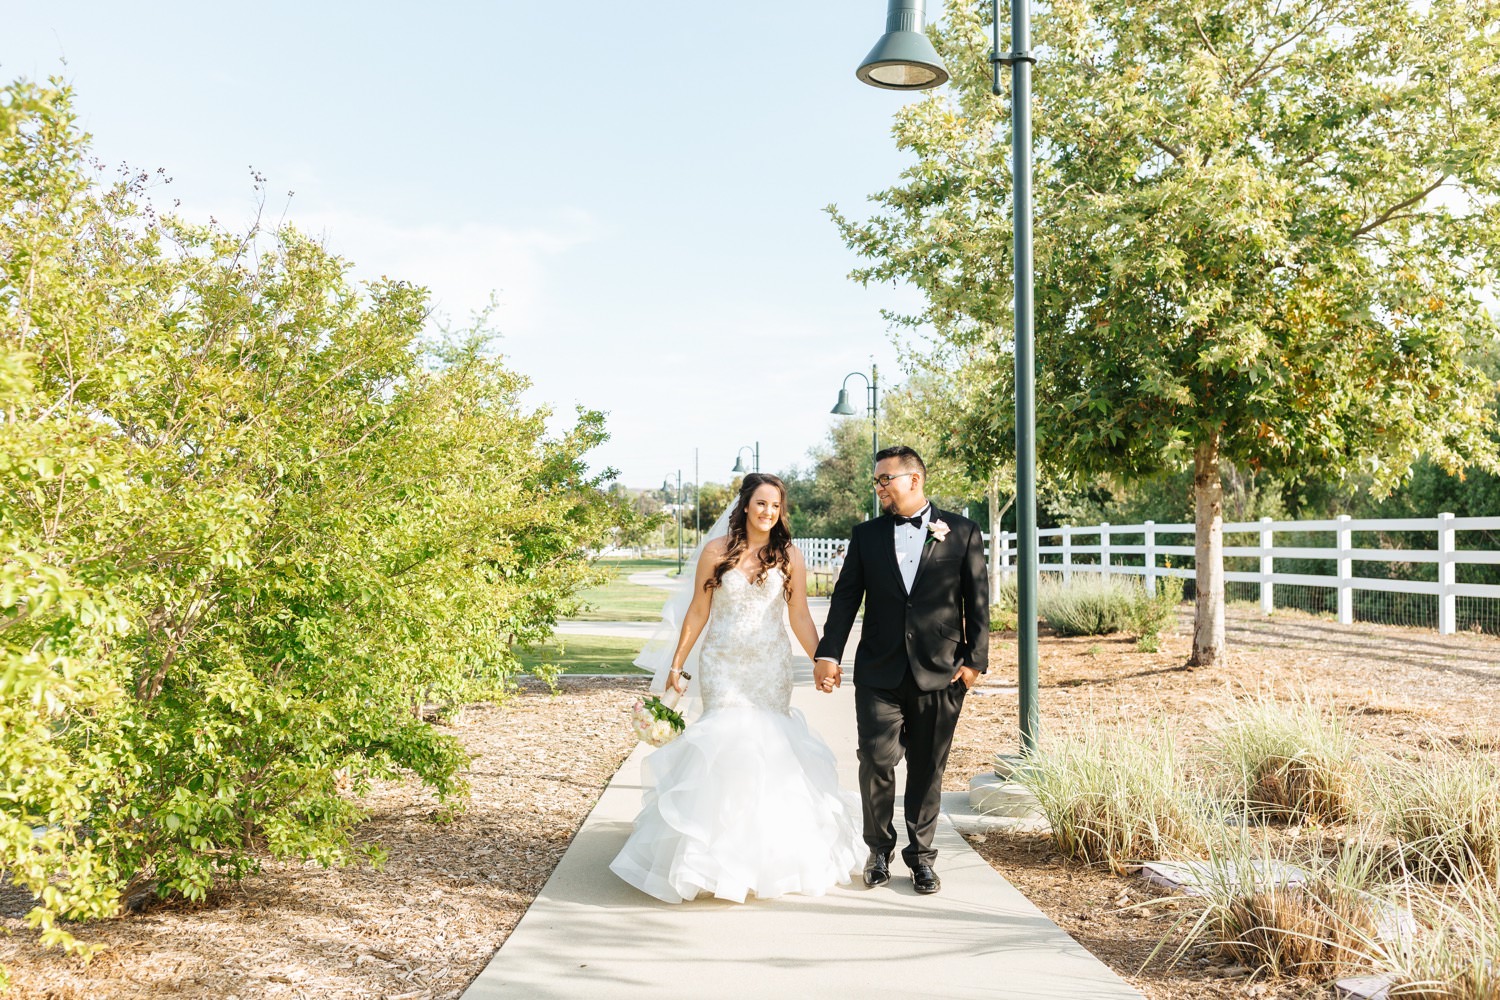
(1444, 811)
(1456, 956)
(1113, 798)
(1286, 759)
(1320, 927)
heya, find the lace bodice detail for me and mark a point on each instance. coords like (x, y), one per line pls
(747, 655)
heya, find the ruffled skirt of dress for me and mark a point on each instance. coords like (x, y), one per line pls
(746, 802)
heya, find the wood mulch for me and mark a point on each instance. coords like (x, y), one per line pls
(426, 924)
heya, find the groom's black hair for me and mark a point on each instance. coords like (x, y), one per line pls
(908, 457)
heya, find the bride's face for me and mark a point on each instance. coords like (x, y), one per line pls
(764, 509)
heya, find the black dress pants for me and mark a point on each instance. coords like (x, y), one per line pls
(918, 724)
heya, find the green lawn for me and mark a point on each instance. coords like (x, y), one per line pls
(622, 601)
(586, 654)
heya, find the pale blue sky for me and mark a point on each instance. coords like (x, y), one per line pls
(641, 184)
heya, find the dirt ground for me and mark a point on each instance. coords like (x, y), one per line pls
(425, 925)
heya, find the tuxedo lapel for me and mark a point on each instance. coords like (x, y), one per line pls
(886, 539)
(928, 544)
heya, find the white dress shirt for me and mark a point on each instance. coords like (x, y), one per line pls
(909, 539)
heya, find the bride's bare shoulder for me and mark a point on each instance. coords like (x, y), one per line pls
(715, 548)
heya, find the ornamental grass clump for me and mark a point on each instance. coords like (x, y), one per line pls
(1455, 954)
(1112, 798)
(1445, 814)
(1286, 760)
(1319, 921)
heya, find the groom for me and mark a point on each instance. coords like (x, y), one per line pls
(921, 574)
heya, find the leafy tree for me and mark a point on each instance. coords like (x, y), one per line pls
(833, 494)
(1262, 228)
(249, 524)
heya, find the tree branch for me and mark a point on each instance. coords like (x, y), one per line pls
(1210, 45)
(1391, 212)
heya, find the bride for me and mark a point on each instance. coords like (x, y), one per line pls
(746, 801)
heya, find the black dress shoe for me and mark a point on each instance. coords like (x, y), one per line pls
(925, 880)
(877, 869)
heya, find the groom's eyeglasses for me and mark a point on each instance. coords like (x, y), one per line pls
(886, 480)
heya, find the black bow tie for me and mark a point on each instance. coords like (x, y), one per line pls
(915, 520)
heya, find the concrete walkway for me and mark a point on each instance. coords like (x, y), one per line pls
(590, 935)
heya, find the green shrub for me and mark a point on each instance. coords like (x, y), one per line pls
(1093, 604)
(249, 523)
(1088, 604)
(1150, 613)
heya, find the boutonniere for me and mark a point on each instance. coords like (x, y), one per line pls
(937, 531)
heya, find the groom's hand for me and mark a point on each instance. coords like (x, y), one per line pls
(827, 675)
(968, 675)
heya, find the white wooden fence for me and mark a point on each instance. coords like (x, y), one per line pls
(1063, 551)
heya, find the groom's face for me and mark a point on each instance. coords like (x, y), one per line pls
(903, 494)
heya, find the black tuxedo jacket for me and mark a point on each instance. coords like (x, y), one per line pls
(943, 624)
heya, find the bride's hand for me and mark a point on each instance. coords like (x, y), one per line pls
(677, 681)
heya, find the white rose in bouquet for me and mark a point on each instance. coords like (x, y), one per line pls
(661, 732)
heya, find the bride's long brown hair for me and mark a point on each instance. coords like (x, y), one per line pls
(778, 548)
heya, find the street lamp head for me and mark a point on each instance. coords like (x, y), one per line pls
(842, 407)
(903, 59)
(739, 465)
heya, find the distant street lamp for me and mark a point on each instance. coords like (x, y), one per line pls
(667, 488)
(904, 59)
(739, 462)
(872, 403)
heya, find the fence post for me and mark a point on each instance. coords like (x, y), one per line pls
(1346, 571)
(1067, 553)
(1267, 567)
(1447, 575)
(1104, 549)
(1005, 570)
(1151, 557)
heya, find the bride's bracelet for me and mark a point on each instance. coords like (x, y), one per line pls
(678, 670)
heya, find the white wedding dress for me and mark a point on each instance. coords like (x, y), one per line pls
(747, 800)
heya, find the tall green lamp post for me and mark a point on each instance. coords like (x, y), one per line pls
(904, 59)
(872, 407)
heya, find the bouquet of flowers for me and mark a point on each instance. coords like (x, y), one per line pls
(656, 722)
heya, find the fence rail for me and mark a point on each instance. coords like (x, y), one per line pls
(1459, 546)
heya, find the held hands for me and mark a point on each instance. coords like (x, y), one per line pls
(968, 675)
(827, 676)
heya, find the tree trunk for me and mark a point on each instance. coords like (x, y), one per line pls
(994, 541)
(997, 514)
(1208, 586)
